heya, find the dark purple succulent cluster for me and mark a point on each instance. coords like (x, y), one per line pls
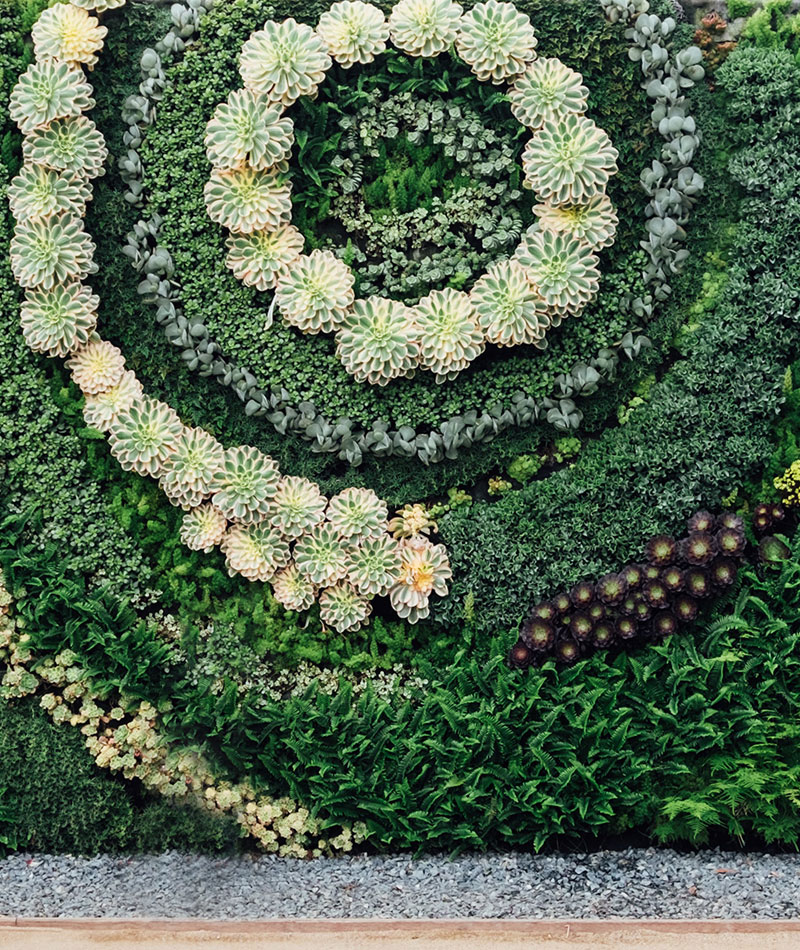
(767, 520)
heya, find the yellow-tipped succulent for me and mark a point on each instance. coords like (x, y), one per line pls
(100, 410)
(258, 258)
(293, 589)
(316, 292)
(67, 32)
(425, 570)
(256, 551)
(593, 223)
(97, 366)
(39, 192)
(203, 528)
(245, 200)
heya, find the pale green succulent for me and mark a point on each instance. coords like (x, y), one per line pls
(245, 485)
(100, 410)
(68, 145)
(245, 200)
(593, 223)
(353, 32)
(100, 6)
(256, 551)
(546, 90)
(449, 335)
(142, 437)
(40, 192)
(67, 33)
(292, 589)
(298, 505)
(316, 292)
(358, 513)
(96, 366)
(343, 608)
(377, 341)
(569, 160)
(424, 570)
(188, 471)
(496, 40)
(564, 271)
(51, 251)
(284, 61)
(424, 27)
(48, 91)
(510, 311)
(249, 129)
(203, 528)
(374, 566)
(321, 555)
(59, 320)
(259, 257)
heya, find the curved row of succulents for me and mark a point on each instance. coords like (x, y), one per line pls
(269, 528)
(567, 163)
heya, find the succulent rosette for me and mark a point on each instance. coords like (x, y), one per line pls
(188, 471)
(256, 551)
(424, 27)
(203, 528)
(41, 192)
(142, 437)
(374, 566)
(284, 61)
(563, 271)
(510, 311)
(377, 341)
(250, 129)
(353, 32)
(343, 608)
(412, 520)
(244, 486)
(72, 145)
(100, 410)
(59, 320)
(259, 257)
(46, 91)
(292, 589)
(496, 40)
(97, 366)
(50, 251)
(321, 556)
(245, 200)
(449, 335)
(67, 32)
(546, 90)
(357, 513)
(99, 6)
(593, 223)
(297, 506)
(425, 570)
(316, 292)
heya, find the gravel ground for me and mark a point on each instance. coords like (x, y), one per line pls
(634, 884)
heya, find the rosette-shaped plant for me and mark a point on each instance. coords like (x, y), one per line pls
(321, 555)
(374, 566)
(245, 200)
(203, 528)
(51, 251)
(48, 91)
(97, 366)
(40, 192)
(377, 341)
(424, 570)
(546, 90)
(424, 27)
(449, 335)
(66, 32)
(248, 128)
(412, 520)
(510, 311)
(245, 485)
(496, 40)
(293, 590)
(593, 223)
(257, 258)
(59, 320)
(142, 437)
(343, 608)
(353, 32)
(358, 513)
(284, 61)
(101, 409)
(256, 551)
(563, 270)
(316, 292)
(187, 473)
(569, 160)
(100, 6)
(297, 506)
(68, 145)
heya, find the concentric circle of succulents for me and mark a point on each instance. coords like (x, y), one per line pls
(40, 192)
(292, 589)
(59, 320)
(259, 257)
(67, 33)
(203, 528)
(97, 366)
(353, 32)
(256, 551)
(343, 608)
(245, 200)
(101, 409)
(377, 341)
(546, 90)
(449, 335)
(569, 160)
(51, 251)
(248, 128)
(593, 223)
(321, 555)
(424, 27)
(357, 513)
(245, 485)
(496, 40)
(564, 271)
(297, 506)
(48, 91)
(374, 565)
(510, 311)
(284, 61)
(142, 437)
(69, 145)
(424, 570)
(316, 292)
(100, 6)
(187, 473)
